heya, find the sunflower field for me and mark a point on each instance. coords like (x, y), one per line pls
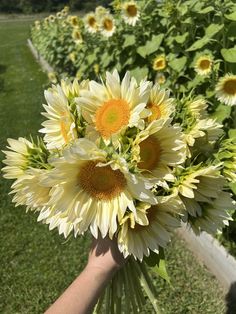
(188, 47)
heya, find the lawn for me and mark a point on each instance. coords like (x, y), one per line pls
(37, 265)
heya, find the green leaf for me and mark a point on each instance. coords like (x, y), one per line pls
(233, 187)
(231, 16)
(213, 29)
(161, 270)
(157, 264)
(229, 54)
(178, 64)
(206, 10)
(180, 39)
(150, 46)
(130, 40)
(232, 133)
(222, 112)
(199, 43)
(139, 73)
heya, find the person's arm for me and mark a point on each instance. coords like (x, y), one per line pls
(82, 295)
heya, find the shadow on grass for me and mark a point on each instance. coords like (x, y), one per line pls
(231, 299)
(3, 68)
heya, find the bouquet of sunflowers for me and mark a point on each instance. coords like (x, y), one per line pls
(123, 159)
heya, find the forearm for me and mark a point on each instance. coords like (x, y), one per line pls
(81, 296)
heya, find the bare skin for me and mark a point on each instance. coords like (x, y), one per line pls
(82, 295)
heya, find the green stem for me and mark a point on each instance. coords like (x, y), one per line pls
(148, 287)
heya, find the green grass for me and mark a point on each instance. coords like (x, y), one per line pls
(37, 265)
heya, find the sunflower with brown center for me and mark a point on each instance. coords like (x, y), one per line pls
(226, 89)
(130, 13)
(91, 193)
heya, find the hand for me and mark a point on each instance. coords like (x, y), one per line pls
(105, 255)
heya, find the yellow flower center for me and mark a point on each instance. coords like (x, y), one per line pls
(112, 116)
(132, 10)
(74, 21)
(92, 21)
(102, 183)
(156, 112)
(229, 86)
(64, 131)
(159, 63)
(108, 24)
(205, 64)
(150, 152)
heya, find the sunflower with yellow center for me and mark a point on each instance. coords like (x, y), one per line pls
(203, 64)
(90, 22)
(159, 63)
(107, 25)
(16, 158)
(160, 104)
(92, 193)
(60, 128)
(77, 36)
(226, 89)
(130, 13)
(158, 148)
(150, 229)
(114, 106)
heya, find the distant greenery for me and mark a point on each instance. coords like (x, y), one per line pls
(32, 6)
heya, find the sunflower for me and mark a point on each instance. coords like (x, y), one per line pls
(52, 18)
(16, 158)
(226, 89)
(114, 106)
(159, 62)
(197, 108)
(100, 11)
(199, 185)
(150, 229)
(91, 193)
(29, 191)
(77, 36)
(90, 22)
(203, 64)
(157, 148)
(160, 104)
(59, 15)
(74, 21)
(130, 12)
(214, 215)
(60, 128)
(204, 127)
(160, 78)
(107, 25)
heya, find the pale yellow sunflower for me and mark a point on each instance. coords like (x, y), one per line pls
(107, 25)
(130, 12)
(87, 192)
(203, 64)
(114, 106)
(160, 104)
(77, 36)
(226, 89)
(90, 22)
(60, 128)
(157, 148)
(150, 229)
